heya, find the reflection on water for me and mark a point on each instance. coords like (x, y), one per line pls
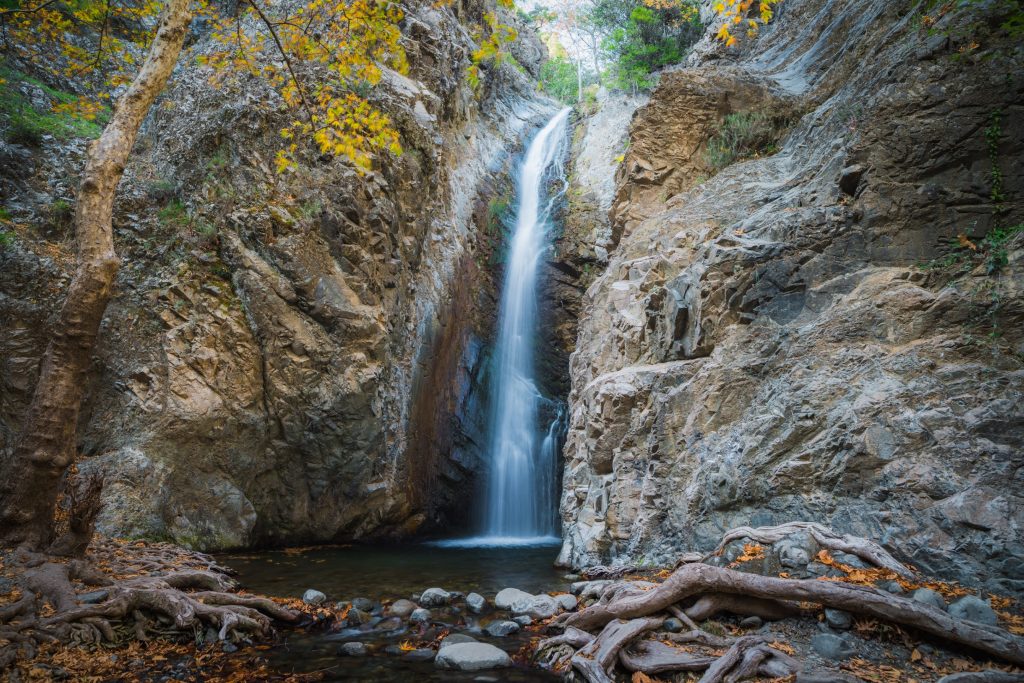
(392, 572)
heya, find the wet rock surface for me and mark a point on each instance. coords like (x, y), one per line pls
(287, 358)
(769, 343)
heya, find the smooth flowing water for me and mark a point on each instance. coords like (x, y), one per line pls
(387, 573)
(521, 484)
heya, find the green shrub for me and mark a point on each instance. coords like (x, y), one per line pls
(174, 215)
(742, 135)
(559, 79)
(26, 126)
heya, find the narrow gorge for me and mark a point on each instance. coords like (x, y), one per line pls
(596, 340)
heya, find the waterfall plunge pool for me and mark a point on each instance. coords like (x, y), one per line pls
(388, 573)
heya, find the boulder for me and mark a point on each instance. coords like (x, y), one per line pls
(973, 608)
(471, 657)
(435, 597)
(509, 596)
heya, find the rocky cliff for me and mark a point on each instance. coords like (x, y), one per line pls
(829, 330)
(288, 358)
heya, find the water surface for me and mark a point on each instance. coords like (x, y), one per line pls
(389, 573)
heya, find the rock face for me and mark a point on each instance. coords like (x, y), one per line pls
(764, 344)
(288, 358)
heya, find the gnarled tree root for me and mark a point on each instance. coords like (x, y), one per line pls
(699, 579)
(596, 659)
(867, 550)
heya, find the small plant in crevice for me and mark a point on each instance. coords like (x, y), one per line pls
(743, 135)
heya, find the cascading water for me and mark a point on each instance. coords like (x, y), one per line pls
(521, 485)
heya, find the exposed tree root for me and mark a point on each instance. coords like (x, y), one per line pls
(694, 592)
(869, 551)
(146, 590)
(698, 579)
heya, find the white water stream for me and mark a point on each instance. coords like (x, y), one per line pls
(521, 486)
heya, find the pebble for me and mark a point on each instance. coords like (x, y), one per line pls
(499, 629)
(892, 586)
(402, 608)
(973, 608)
(673, 625)
(926, 596)
(353, 649)
(838, 619)
(364, 604)
(831, 646)
(475, 603)
(752, 622)
(313, 597)
(523, 620)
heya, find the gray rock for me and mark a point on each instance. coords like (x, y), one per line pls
(540, 607)
(508, 596)
(313, 597)
(838, 619)
(423, 654)
(353, 649)
(499, 629)
(93, 597)
(471, 657)
(475, 603)
(673, 625)
(402, 608)
(567, 602)
(456, 638)
(523, 620)
(435, 597)
(892, 586)
(831, 647)
(420, 615)
(357, 617)
(752, 622)
(364, 604)
(926, 596)
(973, 608)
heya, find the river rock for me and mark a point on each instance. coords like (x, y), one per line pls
(927, 596)
(673, 625)
(435, 597)
(364, 604)
(313, 597)
(353, 649)
(838, 619)
(423, 654)
(752, 622)
(475, 603)
(973, 608)
(523, 619)
(567, 602)
(402, 608)
(832, 647)
(499, 629)
(420, 615)
(457, 638)
(471, 657)
(540, 607)
(509, 596)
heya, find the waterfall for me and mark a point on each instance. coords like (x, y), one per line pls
(521, 482)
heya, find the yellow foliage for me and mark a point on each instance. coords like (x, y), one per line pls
(322, 57)
(735, 12)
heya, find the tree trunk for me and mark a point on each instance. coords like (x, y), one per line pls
(48, 442)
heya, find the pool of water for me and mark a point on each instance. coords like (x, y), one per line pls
(389, 573)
